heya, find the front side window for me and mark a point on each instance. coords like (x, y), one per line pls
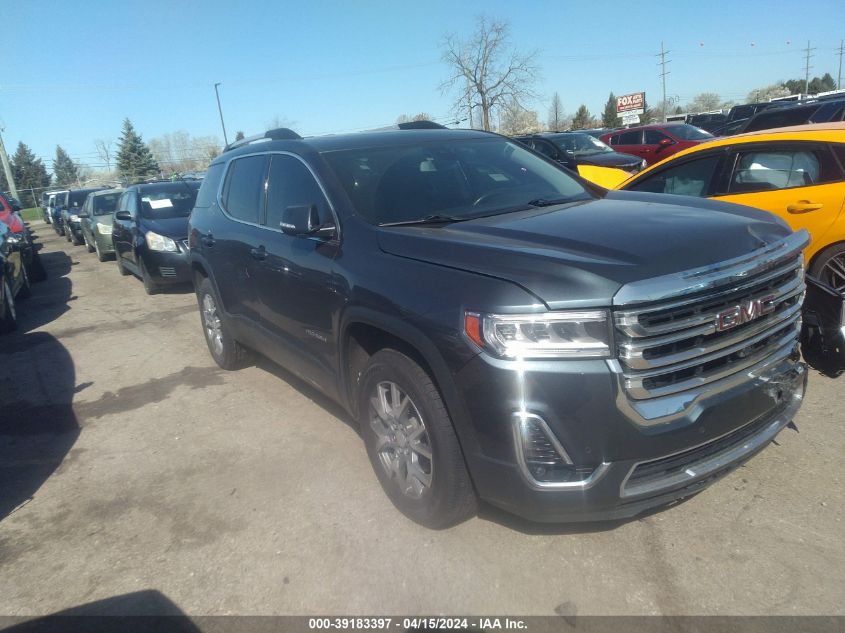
(456, 178)
(687, 132)
(243, 192)
(653, 137)
(581, 144)
(767, 170)
(692, 178)
(547, 149)
(105, 204)
(291, 184)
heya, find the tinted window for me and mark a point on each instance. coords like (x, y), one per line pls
(105, 204)
(292, 184)
(580, 144)
(169, 202)
(653, 137)
(243, 193)
(779, 118)
(689, 179)
(459, 178)
(545, 148)
(769, 170)
(61, 199)
(630, 138)
(210, 184)
(77, 198)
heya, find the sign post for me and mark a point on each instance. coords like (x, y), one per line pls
(629, 107)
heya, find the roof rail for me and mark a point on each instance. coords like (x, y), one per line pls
(420, 125)
(279, 134)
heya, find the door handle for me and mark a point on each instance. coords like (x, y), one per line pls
(207, 239)
(258, 253)
(804, 206)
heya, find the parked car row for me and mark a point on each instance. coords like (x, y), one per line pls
(500, 328)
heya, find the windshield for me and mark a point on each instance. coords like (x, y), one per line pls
(456, 178)
(580, 144)
(61, 199)
(106, 203)
(688, 133)
(77, 198)
(173, 202)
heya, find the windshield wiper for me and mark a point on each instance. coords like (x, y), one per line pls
(544, 202)
(435, 218)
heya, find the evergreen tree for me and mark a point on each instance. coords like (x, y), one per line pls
(582, 118)
(239, 136)
(609, 118)
(64, 169)
(30, 175)
(134, 160)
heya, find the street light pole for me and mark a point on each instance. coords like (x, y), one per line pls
(220, 110)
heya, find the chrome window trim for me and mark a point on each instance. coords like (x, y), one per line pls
(583, 484)
(228, 165)
(697, 280)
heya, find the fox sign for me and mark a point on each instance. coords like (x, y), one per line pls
(630, 104)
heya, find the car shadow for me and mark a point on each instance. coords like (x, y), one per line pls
(37, 424)
(50, 298)
(147, 611)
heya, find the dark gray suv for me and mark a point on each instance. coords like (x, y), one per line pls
(501, 329)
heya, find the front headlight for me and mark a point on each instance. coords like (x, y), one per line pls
(156, 242)
(74, 217)
(103, 229)
(575, 334)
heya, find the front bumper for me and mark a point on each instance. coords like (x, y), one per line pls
(104, 242)
(168, 267)
(637, 464)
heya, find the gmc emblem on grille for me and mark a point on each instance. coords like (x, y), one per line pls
(744, 313)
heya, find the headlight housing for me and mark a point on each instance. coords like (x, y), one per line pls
(570, 334)
(74, 217)
(156, 242)
(103, 229)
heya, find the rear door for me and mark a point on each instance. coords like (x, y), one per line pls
(630, 142)
(801, 182)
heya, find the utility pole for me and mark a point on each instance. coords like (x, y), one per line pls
(839, 76)
(663, 72)
(7, 169)
(220, 110)
(807, 57)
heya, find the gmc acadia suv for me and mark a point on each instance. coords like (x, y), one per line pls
(500, 328)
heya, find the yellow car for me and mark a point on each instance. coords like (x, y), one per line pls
(797, 173)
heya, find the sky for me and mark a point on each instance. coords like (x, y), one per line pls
(70, 72)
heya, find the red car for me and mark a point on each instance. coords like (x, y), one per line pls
(10, 216)
(656, 141)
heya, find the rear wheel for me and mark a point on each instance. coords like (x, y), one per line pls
(8, 316)
(225, 350)
(829, 266)
(412, 444)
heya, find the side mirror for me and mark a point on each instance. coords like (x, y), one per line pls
(666, 142)
(304, 221)
(122, 215)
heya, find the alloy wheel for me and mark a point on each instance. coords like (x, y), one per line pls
(211, 321)
(402, 442)
(10, 301)
(833, 272)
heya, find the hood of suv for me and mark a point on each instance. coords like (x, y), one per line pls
(580, 254)
(176, 228)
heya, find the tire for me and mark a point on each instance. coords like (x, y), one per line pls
(25, 291)
(88, 246)
(9, 316)
(100, 256)
(37, 272)
(120, 267)
(225, 350)
(67, 233)
(74, 240)
(150, 286)
(433, 490)
(829, 266)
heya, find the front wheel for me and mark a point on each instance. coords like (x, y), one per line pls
(412, 444)
(150, 286)
(120, 267)
(88, 246)
(225, 350)
(829, 266)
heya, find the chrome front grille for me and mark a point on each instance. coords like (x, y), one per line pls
(682, 342)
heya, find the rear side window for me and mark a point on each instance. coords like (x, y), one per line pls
(630, 138)
(692, 178)
(780, 118)
(243, 192)
(292, 184)
(210, 184)
(772, 169)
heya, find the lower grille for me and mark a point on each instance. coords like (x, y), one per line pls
(166, 271)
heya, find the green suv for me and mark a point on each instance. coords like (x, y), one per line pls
(96, 221)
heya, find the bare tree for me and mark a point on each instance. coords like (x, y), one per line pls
(704, 102)
(515, 119)
(422, 116)
(279, 121)
(103, 147)
(556, 114)
(487, 70)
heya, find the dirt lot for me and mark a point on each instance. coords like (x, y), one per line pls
(129, 462)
